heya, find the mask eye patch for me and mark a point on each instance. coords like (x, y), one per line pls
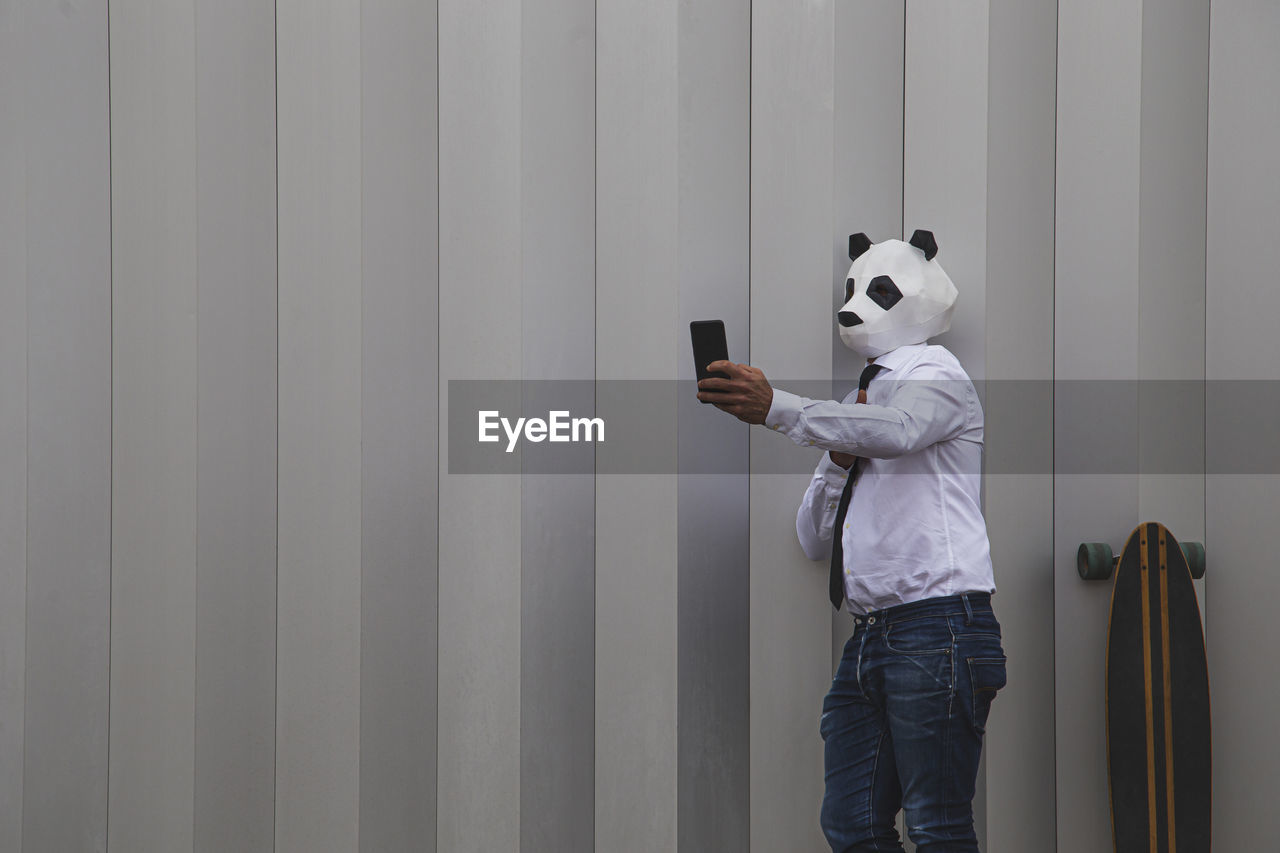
(883, 292)
(848, 290)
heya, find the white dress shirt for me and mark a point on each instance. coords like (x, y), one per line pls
(914, 528)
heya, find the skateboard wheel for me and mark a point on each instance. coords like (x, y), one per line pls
(1094, 561)
(1194, 552)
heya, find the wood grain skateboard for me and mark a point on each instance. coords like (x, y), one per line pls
(1157, 693)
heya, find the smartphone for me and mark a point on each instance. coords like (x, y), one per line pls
(708, 345)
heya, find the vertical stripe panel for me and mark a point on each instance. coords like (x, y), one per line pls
(1021, 120)
(1171, 265)
(1096, 248)
(867, 165)
(713, 782)
(944, 161)
(557, 509)
(792, 130)
(318, 629)
(153, 484)
(69, 427)
(637, 228)
(13, 419)
(399, 431)
(480, 334)
(1242, 257)
(235, 731)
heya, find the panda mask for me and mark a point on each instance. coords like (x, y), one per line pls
(895, 294)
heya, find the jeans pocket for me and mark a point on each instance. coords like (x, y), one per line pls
(986, 676)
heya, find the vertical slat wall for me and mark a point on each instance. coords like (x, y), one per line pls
(153, 435)
(1021, 123)
(944, 160)
(478, 781)
(637, 227)
(399, 431)
(713, 774)
(13, 418)
(235, 700)
(866, 158)
(556, 312)
(318, 630)
(68, 280)
(792, 124)
(1171, 264)
(1095, 342)
(245, 606)
(1243, 363)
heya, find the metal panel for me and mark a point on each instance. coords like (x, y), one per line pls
(1095, 338)
(637, 530)
(867, 169)
(1243, 254)
(557, 509)
(236, 443)
(792, 130)
(153, 483)
(399, 467)
(1019, 752)
(13, 419)
(69, 427)
(1171, 264)
(945, 173)
(318, 630)
(713, 773)
(479, 543)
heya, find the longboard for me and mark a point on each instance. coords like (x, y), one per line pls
(1157, 695)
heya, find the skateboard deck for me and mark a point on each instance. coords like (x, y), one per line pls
(1158, 735)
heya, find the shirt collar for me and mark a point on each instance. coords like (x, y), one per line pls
(896, 358)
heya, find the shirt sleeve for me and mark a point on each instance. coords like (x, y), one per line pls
(817, 513)
(926, 407)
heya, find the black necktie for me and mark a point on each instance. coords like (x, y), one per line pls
(836, 585)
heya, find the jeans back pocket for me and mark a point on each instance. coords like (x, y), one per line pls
(987, 676)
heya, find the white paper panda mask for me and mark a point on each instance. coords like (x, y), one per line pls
(895, 294)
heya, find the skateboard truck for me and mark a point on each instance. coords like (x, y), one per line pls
(1095, 562)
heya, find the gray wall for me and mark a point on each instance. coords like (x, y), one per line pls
(244, 247)
(1243, 207)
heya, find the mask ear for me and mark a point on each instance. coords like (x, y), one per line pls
(923, 240)
(858, 243)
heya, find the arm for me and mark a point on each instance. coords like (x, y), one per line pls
(817, 513)
(923, 411)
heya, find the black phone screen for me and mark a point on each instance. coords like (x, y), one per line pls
(708, 345)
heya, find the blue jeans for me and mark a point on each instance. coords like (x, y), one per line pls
(903, 725)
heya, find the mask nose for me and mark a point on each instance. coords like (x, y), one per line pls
(848, 318)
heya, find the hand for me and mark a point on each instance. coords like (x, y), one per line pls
(844, 460)
(746, 394)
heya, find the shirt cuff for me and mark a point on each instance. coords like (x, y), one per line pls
(832, 474)
(784, 412)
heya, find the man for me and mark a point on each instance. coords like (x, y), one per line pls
(905, 716)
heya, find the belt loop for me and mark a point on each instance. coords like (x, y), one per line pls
(968, 609)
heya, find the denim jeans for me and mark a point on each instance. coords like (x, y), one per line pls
(903, 725)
